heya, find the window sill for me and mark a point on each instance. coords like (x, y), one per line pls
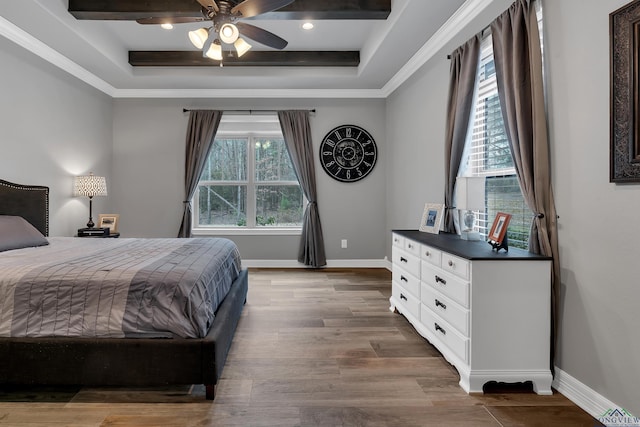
(247, 231)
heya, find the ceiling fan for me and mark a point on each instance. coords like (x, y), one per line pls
(226, 31)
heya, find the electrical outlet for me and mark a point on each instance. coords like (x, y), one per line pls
(344, 244)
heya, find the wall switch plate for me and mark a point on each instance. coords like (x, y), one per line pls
(344, 244)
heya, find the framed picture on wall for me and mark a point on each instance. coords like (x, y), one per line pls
(432, 218)
(109, 221)
(499, 228)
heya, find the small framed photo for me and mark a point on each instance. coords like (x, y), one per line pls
(432, 218)
(499, 228)
(109, 221)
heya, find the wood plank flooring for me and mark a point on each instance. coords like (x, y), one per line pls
(313, 348)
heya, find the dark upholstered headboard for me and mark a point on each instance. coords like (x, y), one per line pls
(28, 201)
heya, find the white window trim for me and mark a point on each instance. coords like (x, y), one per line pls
(250, 229)
(262, 231)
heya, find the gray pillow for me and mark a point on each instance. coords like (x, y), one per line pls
(17, 233)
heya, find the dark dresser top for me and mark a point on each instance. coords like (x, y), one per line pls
(471, 250)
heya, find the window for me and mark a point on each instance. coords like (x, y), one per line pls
(488, 154)
(248, 182)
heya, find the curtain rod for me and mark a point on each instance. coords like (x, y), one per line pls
(482, 34)
(186, 110)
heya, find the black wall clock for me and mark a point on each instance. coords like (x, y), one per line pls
(348, 153)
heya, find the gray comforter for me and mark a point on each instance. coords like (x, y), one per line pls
(85, 287)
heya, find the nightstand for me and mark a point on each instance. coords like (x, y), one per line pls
(97, 232)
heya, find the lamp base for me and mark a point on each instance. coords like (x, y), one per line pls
(470, 235)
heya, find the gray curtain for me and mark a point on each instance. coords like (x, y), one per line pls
(297, 136)
(518, 59)
(201, 131)
(464, 64)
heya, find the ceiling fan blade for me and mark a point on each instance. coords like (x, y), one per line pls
(249, 8)
(264, 37)
(209, 4)
(174, 20)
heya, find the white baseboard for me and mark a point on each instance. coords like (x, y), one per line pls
(585, 397)
(335, 263)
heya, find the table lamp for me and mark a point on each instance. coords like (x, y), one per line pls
(470, 198)
(90, 186)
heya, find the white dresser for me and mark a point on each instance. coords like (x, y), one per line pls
(487, 312)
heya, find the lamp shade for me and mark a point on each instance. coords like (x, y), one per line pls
(214, 52)
(470, 193)
(89, 185)
(199, 37)
(229, 33)
(241, 46)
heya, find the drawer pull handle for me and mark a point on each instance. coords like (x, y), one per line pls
(440, 304)
(440, 329)
(427, 253)
(404, 279)
(403, 297)
(440, 280)
(403, 259)
(450, 263)
(410, 246)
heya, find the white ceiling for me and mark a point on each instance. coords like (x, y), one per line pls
(97, 51)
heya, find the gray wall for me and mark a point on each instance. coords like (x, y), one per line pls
(53, 127)
(148, 175)
(599, 338)
(599, 334)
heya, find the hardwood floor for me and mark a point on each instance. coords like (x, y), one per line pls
(313, 348)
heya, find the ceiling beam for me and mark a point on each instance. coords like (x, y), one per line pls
(175, 58)
(299, 9)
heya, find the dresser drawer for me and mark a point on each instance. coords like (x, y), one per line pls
(455, 265)
(445, 283)
(406, 261)
(445, 333)
(412, 247)
(409, 303)
(397, 241)
(408, 281)
(427, 253)
(450, 311)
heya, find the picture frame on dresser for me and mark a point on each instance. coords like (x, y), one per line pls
(109, 221)
(431, 218)
(499, 228)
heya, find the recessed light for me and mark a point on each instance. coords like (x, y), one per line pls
(307, 26)
(167, 26)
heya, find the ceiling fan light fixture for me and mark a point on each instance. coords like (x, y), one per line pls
(229, 33)
(199, 37)
(241, 46)
(214, 52)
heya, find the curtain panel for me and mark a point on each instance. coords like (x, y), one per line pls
(201, 131)
(297, 136)
(518, 58)
(464, 63)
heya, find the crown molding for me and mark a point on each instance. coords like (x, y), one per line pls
(35, 46)
(462, 17)
(248, 93)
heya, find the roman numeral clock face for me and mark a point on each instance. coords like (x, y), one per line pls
(348, 153)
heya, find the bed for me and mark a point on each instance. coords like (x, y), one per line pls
(132, 348)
